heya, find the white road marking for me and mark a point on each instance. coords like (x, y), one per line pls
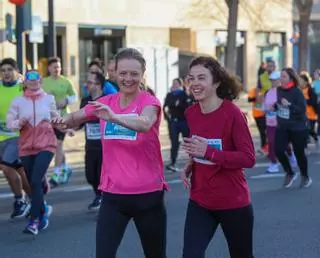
(263, 176)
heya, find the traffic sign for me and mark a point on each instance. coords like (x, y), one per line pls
(36, 34)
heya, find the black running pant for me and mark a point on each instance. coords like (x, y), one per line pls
(36, 167)
(298, 139)
(201, 224)
(262, 128)
(149, 215)
(93, 163)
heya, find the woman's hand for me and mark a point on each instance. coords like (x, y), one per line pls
(102, 111)
(195, 146)
(59, 123)
(23, 122)
(186, 174)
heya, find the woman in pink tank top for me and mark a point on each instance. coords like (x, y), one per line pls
(132, 175)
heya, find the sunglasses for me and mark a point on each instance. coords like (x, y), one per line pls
(32, 76)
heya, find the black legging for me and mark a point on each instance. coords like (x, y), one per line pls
(201, 224)
(36, 167)
(149, 215)
(175, 129)
(93, 163)
(312, 132)
(298, 139)
(262, 128)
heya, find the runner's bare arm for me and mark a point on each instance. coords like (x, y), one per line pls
(142, 123)
(70, 121)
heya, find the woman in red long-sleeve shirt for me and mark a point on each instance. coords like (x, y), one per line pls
(220, 147)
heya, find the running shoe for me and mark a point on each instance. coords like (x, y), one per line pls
(95, 205)
(44, 218)
(305, 182)
(289, 180)
(172, 168)
(32, 227)
(65, 175)
(54, 180)
(20, 209)
(273, 168)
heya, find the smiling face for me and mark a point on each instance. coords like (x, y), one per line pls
(201, 83)
(129, 75)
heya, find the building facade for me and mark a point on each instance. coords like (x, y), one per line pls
(169, 32)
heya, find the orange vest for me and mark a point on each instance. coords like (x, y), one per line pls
(256, 106)
(311, 114)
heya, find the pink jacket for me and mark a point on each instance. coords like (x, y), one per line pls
(37, 135)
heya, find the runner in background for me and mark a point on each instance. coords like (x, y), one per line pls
(175, 105)
(112, 75)
(97, 66)
(292, 127)
(316, 86)
(93, 147)
(10, 88)
(65, 94)
(31, 114)
(260, 119)
(270, 100)
(312, 106)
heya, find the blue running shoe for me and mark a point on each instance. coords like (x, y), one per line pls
(65, 175)
(32, 227)
(44, 218)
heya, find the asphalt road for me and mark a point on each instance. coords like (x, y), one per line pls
(287, 222)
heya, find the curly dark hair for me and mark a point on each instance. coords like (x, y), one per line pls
(230, 85)
(292, 75)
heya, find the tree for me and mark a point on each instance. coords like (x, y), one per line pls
(231, 49)
(304, 9)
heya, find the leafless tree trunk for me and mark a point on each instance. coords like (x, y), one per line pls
(231, 50)
(304, 7)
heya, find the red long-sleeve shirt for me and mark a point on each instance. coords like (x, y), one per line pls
(218, 181)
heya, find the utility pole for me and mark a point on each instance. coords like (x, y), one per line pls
(20, 38)
(52, 44)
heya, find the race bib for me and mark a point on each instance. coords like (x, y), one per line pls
(271, 114)
(283, 112)
(93, 131)
(114, 131)
(214, 143)
(4, 130)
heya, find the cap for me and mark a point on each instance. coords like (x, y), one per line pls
(275, 75)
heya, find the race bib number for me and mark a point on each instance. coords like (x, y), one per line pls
(93, 131)
(214, 143)
(284, 112)
(4, 130)
(114, 131)
(271, 114)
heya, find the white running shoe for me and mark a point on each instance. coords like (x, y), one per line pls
(273, 168)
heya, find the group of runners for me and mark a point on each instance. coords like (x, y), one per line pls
(123, 160)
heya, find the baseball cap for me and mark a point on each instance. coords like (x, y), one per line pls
(275, 75)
